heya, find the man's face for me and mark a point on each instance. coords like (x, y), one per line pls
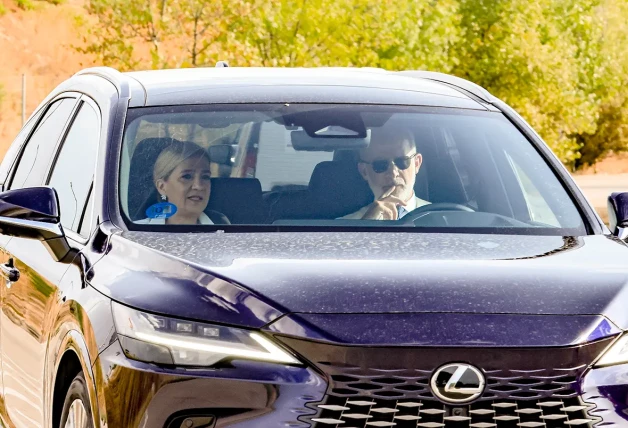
(380, 182)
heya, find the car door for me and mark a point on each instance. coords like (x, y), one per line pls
(31, 301)
(7, 163)
(27, 165)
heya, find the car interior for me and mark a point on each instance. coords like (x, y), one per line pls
(335, 188)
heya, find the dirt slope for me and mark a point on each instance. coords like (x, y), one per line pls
(37, 43)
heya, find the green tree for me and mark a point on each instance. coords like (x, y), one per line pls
(562, 64)
(518, 51)
(602, 34)
(362, 33)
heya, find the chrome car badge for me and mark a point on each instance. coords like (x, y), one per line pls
(457, 383)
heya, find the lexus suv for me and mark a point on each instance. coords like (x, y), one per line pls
(323, 248)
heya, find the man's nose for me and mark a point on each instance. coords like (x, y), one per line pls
(394, 170)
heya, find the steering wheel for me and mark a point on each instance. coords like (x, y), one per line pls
(414, 215)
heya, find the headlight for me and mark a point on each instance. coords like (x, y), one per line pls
(616, 354)
(165, 340)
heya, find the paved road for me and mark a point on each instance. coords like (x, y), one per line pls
(598, 187)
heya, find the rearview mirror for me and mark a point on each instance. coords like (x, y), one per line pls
(302, 141)
(618, 214)
(33, 213)
(223, 154)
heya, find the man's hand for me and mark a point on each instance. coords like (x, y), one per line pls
(385, 208)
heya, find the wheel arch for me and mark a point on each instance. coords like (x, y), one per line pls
(73, 357)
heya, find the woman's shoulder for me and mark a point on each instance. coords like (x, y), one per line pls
(202, 219)
(151, 221)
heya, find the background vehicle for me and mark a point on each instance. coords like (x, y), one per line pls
(503, 304)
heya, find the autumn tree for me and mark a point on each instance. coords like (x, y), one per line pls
(131, 34)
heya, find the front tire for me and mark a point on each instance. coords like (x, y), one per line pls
(77, 412)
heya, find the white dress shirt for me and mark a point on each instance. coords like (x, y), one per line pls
(412, 204)
(202, 219)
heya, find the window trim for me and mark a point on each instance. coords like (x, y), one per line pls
(92, 223)
(8, 185)
(83, 99)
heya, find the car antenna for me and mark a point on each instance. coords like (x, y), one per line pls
(222, 64)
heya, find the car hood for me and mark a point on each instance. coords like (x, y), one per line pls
(362, 273)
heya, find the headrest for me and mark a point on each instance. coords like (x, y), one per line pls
(339, 187)
(142, 192)
(240, 199)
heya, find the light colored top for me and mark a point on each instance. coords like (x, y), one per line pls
(412, 204)
(202, 219)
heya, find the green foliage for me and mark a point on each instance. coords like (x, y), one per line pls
(562, 64)
(24, 4)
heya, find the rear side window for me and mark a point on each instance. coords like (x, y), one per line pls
(280, 165)
(74, 169)
(14, 150)
(33, 164)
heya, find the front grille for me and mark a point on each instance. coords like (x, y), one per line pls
(389, 386)
(369, 412)
(350, 381)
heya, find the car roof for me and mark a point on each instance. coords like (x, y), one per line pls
(303, 85)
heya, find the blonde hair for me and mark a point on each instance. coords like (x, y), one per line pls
(173, 155)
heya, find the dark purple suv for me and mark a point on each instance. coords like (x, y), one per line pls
(261, 248)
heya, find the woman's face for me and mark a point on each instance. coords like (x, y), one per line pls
(188, 187)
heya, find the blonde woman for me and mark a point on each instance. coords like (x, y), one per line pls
(182, 177)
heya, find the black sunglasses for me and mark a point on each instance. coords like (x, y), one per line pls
(381, 165)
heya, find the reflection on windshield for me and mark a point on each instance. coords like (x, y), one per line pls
(338, 166)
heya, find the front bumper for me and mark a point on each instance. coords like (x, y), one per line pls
(365, 387)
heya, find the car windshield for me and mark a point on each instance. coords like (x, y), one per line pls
(320, 166)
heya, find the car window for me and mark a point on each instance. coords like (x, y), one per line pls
(278, 162)
(33, 163)
(325, 165)
(538, 209)
(73, 171)
(11, 155)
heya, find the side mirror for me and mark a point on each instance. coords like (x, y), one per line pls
(618, 214)
(223, 154)
(33, 213)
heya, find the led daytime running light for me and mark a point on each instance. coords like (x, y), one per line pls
(274, 353)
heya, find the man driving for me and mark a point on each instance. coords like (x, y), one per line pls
(389, 165)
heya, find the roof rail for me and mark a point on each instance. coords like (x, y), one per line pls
(110, 74)
(466, 85)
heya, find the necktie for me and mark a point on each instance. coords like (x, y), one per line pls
(401, 211)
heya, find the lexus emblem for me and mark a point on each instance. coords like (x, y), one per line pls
(457, 383)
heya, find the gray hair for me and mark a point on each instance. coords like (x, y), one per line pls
(390, 135)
